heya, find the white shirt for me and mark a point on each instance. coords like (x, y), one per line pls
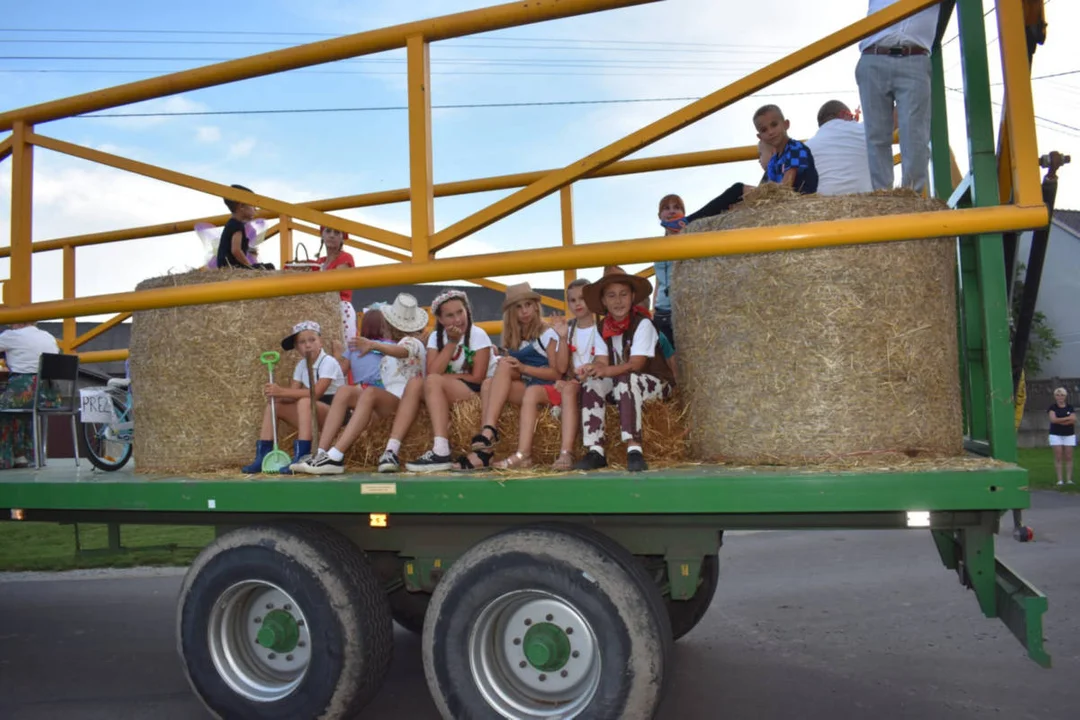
(546, 338)
(323, 367)
(644, 342)
(24, 346)
(478, 340)
(919, 29)
(397, 372)
(588, 345)
(839, 150)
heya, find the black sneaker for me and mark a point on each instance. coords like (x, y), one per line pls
(635, 462)
(389, 462)
(430, 462)
(321, 464)
(592, 461)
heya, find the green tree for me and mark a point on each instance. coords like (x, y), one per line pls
(1042, 342)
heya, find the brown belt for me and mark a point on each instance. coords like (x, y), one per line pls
(896, 51)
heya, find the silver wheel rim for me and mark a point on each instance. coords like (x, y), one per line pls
(510, 682)
(237, 634)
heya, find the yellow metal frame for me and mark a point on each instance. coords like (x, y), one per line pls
(416, 255)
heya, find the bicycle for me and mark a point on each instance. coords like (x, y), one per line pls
(108, 446)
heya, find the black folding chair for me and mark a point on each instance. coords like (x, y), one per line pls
(59, 374)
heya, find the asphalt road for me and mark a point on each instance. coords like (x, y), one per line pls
(805, 625)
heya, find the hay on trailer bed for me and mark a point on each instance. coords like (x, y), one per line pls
(814, 356)
(196, 377)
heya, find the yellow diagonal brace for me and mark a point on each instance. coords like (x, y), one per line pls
(279, 207)
(366, 247)
(679, 119)
(5, 148)
(98, 330)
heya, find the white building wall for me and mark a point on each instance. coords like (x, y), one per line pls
(1059, 298)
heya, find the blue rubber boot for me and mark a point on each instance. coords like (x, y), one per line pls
(301, 449)
(262, 449)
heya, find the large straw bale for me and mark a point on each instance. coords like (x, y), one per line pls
(814, 356)
(196, 373)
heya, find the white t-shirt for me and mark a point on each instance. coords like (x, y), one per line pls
(919, 29)
(324, 366)
(587, 346)
(839, 150)
(478, 340)
(397, 372)
(644, 342)
(546, 338)
(24, 347)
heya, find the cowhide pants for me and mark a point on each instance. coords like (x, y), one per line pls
(629, 392)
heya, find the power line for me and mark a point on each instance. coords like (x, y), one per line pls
(462, 106)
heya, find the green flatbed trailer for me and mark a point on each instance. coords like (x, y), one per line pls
(533, 588)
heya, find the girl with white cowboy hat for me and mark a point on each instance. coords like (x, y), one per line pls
(458, 353)
(525, 376)
(401, 361)
(635, 371)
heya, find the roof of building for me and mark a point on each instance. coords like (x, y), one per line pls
(1069, 220)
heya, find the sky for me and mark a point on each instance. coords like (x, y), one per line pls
(672, 49)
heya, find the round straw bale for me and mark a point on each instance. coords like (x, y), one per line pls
(196, 377)
(815, 356)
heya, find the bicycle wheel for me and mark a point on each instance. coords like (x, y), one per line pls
(103, 446)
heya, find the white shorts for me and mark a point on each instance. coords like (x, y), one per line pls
(1066, 440)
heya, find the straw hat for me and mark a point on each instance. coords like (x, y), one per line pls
(405, 314)
(519, 293)
(593, 292)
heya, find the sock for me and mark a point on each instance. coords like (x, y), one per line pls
(442, 446)
(335, 454)
(597, 448)
(393, 446)
(634, 449)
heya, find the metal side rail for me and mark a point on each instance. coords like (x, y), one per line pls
(1001, 593)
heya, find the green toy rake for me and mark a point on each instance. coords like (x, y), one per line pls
(276, 460)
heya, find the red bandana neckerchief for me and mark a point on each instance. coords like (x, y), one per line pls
(613, 328)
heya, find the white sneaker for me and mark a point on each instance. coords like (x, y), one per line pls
(305, 463)
(1059, 482)
(321, 464)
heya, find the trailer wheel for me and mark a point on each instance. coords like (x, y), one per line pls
(283, 621)
(686, 614)
(545, 623)
(409, 608)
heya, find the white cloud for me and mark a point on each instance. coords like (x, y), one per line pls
(241, 148)
(207, 134)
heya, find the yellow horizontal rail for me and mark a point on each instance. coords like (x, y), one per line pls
(102, 356)
(853, 231)
(676, 161)
(679, 119)
(497, 17)
(190, 181)
(99, 330)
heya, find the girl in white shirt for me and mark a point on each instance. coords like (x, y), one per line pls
(525, 376)
(293, 403)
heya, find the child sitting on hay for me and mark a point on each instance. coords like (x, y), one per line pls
(234, 247)
(458, 353)
(525, 376)
(293, 404)
(401, 360)
(364, 356)
(634, 373)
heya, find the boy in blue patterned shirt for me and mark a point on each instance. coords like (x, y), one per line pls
(792, 163)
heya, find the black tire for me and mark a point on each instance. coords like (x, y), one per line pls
(408, 609)
(92, 448)
(686, 614)
(593, 584)
(342, 634)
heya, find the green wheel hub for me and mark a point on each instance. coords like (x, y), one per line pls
(547, 647)
(279, 632)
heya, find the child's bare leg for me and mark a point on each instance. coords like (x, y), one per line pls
(407, 409)
(331, 420)
(287, 412)
(569, 391)
(267, 432)
(441, 391)
(496, 398)
(301, 413)
(373, 401)
(532, 399)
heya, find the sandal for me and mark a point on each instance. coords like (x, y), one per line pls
(517, 461)
(480, 441)
(565, 461)
(464, 464)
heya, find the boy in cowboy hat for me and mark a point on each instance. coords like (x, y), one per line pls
(636, 370)
(402, 360)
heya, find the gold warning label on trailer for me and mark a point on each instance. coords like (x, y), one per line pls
(378, 488)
